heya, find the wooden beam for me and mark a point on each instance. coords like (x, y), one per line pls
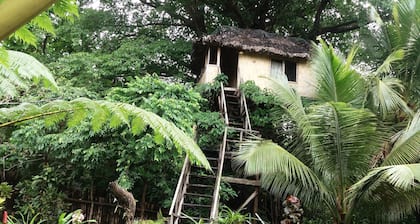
(243, 181)
(249, 199)
(16, 13)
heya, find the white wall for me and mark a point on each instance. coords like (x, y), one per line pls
(258, 67)
(255, 67)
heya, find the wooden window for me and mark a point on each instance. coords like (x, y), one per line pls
(280, 68)
(290, 70)
(213, 55)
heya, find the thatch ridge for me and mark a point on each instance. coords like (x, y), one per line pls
(258, 41)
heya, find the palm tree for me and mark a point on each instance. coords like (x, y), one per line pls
(341, 133)
(402, 33)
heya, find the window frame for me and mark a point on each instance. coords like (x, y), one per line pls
(283, 69)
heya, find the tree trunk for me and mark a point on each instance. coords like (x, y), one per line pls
(127, 201)
(417, 214)
(143, 201)
(9, 9)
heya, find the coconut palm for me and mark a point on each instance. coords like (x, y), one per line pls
(403, 32)
(342, 131)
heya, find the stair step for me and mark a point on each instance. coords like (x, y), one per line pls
(199, 195)
(234, 140)
(200, 185)
(199, 175)
(199, 167)
(194, 218)
(232, 96)
(196, 205)
(227, 88)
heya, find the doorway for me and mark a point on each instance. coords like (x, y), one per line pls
(229, 65)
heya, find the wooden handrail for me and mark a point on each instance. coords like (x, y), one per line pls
(248, 121)
(173, 211)
(224, 107)
(216, 193)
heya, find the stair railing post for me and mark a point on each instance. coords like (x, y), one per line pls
(216, 193)
(247, 120)
(224, 107)
(173, 211)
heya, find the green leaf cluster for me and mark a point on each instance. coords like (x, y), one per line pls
(342, 133)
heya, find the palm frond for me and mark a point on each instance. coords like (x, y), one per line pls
(291, 102)
(407, 148)
(101, 113)
(385, 67)
(343, 142)
(406, 14)
(281, 172)
(412, 55)
(336, 80)
(394, 190)
(384, 96)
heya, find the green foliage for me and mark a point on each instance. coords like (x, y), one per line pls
(29, 219)
(62, 9)
(21, 70)
(100, 71)
(340, 139)
(5, 190)
(400, 35)
(211, 91)
(36, 194)
(103, 143)
(35, 219)
(210, 129)
(160, 220)
(75, 217)
(228, 216)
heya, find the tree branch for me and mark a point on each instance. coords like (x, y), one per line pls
(340, 28)
(316, 26)
(10, 123)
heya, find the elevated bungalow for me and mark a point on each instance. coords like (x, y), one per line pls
(246, 54)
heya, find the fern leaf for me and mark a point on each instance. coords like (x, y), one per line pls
(76, 117)
(99, 117)
(24, 35)
(137, 125)
(118, 114)
(43, 21)
(29, 68)
(4, 56)
(66, 9)
(100, 114)
(158, 138)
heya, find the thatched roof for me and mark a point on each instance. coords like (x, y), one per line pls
(258, 41)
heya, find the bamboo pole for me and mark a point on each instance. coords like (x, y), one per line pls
(16, 13)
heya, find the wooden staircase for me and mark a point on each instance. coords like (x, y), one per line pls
(197, 194)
